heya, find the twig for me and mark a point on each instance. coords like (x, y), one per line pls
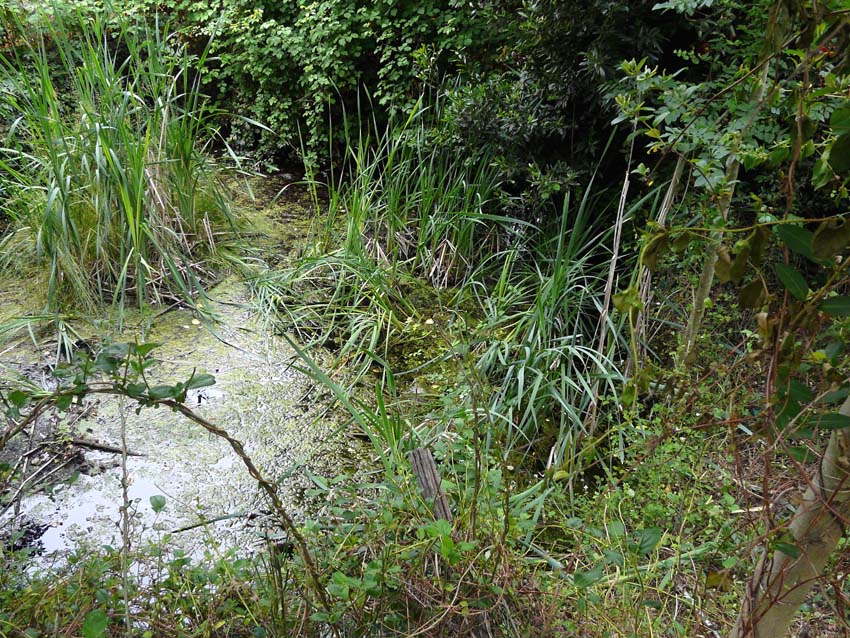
(15, 500)
(102, 447)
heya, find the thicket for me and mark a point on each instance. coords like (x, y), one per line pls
(613, 238)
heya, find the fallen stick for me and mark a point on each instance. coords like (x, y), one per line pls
(101, 447)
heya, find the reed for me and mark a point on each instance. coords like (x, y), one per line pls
(106, 168)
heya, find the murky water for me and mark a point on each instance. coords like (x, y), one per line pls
(258, 398)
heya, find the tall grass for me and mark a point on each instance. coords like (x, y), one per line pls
(401, 215)
(409, 203)
(536, 347)
(105, 169)
(411, 215)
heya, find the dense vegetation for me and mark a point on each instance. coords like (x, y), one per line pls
(593, 256)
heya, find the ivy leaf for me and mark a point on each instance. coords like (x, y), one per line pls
(836, 306)
(793, 281)
(157, 503)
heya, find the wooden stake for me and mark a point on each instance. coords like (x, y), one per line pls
(425, 471)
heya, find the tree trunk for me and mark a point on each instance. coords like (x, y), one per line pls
(706, 279)
(781, 583)
(689, 342)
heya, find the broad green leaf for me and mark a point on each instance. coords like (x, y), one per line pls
(18, 398)
(613, 557)
(839, 154)
(801, 454)
(798, 391)
(95, 624)
(788, 549)
(779, 155)
(836, 396)
(136, 389)
(163, 392)
(200, 381)
(616, 529)
(143, 349)
(839, 121)
(339, 590)
(648, 538)
(837, 306)
(793, 281)
(117, 350)
(157, 503)
(830, 421)
(797, 239)
(588, 578)
(448, 551)
(629, 394)
(718, 579)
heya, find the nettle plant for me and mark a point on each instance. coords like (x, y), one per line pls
(771, 128)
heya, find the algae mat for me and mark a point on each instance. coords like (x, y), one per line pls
(258, 398)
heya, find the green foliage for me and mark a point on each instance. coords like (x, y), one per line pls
(406, 214)
(536, 349)
(292, 65)
(104, 170)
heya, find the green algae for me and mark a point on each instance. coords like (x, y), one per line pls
(259, 397)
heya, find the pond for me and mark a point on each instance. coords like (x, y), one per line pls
(72, 496)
